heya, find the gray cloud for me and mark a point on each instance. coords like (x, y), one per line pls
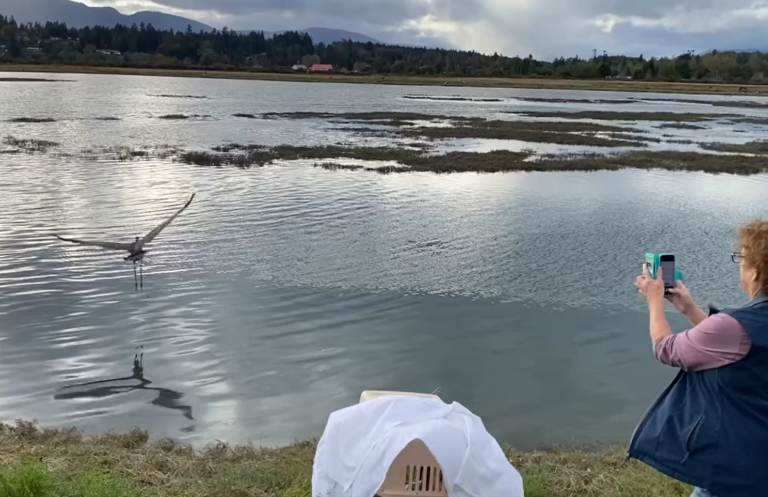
(375, 12)
(549, 28)
(544, 28)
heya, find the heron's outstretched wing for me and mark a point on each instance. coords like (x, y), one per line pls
(94, 243)
(153, 234)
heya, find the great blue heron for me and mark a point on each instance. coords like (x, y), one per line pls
(135, 248)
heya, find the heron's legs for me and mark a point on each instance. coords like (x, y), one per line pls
(135, 279)
(141, 272)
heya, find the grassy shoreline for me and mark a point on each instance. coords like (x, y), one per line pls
(40, 462)
(481, 82)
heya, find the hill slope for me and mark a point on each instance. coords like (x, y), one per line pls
(326, 35)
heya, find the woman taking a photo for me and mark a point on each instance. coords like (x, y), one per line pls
(709, 428)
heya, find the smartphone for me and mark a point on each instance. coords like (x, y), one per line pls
(667, 263)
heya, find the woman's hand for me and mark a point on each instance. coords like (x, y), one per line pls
(652, 288)
(681, 298)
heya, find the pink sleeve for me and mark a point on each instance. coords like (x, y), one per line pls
(717, 341)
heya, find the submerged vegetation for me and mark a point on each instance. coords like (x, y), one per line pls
(755, 147)
(555, 133)
(680, 126)
(198, 97)
(377, 117)
(421, 126)
(32, 120)
(41, 462)
(411, 125)
(627, 116)
(416, 160)
(29, 145)
(450, 99)
(173, 117)
(385, 169)
(418, 142)
(30, 80)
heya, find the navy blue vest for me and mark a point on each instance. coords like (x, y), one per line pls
(710, 428)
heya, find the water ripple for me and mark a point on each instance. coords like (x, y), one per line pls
(291, 286)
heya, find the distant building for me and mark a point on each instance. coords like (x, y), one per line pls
(109, 52)
(299, 67)
(33, 49)
(321, 68)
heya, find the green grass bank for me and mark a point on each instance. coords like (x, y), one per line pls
(41, 462)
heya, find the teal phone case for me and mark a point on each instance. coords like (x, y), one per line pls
(653, 261)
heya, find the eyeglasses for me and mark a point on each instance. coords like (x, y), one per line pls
(737, 257)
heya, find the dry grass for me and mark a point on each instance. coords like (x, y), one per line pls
(39, 462)
(574, 473)
(569, 84)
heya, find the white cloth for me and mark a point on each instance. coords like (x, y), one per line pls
(360, 443)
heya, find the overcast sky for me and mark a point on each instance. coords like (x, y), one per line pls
(544, 28)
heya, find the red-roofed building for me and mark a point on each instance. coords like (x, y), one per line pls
(321, 68)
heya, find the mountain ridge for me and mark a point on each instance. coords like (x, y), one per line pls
(79, 15)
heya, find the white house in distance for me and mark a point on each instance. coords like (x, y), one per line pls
(299, 67)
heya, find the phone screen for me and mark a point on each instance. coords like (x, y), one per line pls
(668, 268)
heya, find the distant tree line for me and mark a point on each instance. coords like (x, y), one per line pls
(144, 46)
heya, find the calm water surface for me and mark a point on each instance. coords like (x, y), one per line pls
(286, 290)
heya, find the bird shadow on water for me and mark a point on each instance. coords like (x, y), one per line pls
(167, 398)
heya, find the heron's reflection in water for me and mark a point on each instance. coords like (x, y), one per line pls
(100, 389)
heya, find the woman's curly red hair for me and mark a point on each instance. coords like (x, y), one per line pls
(753, 239)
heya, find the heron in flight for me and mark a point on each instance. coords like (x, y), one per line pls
(135, 248)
